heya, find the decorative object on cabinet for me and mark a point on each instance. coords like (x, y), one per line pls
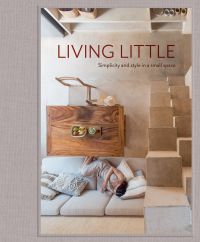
(172, 11)
(158, 11)
(78, 82)
(108, 122)
(177, 11)
(79, 131)
(166, 12)
(109, 101)
(183, 11)
(68, 12)
(88, 12)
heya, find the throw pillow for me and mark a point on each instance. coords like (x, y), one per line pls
(136, 188)
(126, 170)
(70, 184)
(46, 192)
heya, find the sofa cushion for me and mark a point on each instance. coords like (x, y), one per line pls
(46, 192)
(136, 188)
(70, 184)
(52, 207)
(126, 170)
(90, 203)
(56, 164)
(119, 207)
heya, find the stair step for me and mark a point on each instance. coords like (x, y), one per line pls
(181, 107)
(183, 125)
(167, 212)
(187, 182)
(179, 91)
(163, 168)
(176, 80)
(184, 147)
(161, 117)
(161, 139)
(160, 99)
(159, 86)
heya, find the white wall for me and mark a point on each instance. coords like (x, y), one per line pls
(130, 86)
(52, 93)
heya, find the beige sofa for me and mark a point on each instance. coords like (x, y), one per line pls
(91, 202)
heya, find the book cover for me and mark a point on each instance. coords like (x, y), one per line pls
(116, 130)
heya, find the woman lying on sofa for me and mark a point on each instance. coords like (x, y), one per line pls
(114, 180)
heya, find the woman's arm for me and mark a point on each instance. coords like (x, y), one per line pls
(108, 175)
(118, 173)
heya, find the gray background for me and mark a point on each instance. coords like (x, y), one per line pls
(19, 109)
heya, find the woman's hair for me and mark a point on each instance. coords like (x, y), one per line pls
(121, 189)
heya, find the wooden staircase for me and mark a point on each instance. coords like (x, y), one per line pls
(168, 162)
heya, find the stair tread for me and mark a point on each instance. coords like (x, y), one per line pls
(160, 99)
(182, 116)
(185, 138)
(162, 154)
(159, 86)
(177, 83)
(176, 76)
(165, 197)
(179, 91)
(187, 172)
(162, 108)
(172, 128)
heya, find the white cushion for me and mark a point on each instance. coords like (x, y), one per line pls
(52, 207)
(126, 170)
(90, 203)
(46, 192)
(131, 207)
(56, 165)
(136, 188)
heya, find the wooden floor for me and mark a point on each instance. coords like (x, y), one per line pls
(94, 226)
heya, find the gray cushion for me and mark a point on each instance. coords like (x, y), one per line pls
(52, 207)
(119, 207)
(70, 184)
(46, 192)
(90, 203)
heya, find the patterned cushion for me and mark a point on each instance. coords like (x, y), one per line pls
(46, 192)
(126, 170)
(70, 184)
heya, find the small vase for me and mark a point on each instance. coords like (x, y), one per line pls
(68, 12)
(177, 11)
(109, 101)
(158, 11)
(172, 12)
(166, 12)
(88, 12)
(183, 11)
